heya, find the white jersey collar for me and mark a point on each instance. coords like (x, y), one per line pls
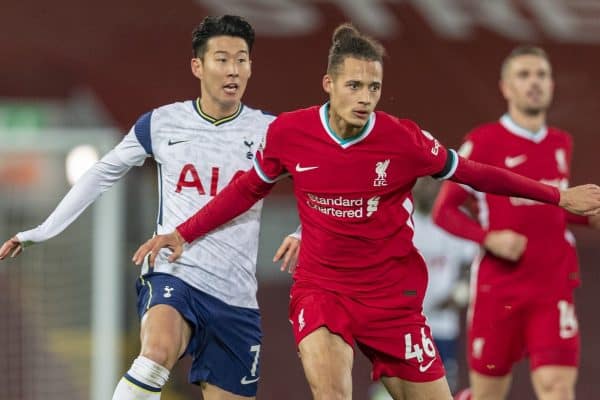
(511, 126)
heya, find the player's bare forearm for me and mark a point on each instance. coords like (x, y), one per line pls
(582, 200)
(173, 241)
(12, 247)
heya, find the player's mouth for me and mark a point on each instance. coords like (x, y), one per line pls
(231, 88)
(362, 114)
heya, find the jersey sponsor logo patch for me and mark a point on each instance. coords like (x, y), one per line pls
(372, 205)
(512, 162)
(171, 142)
(304, 169)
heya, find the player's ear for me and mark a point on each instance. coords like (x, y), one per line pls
(197, 67)
(504, 89)
(327, 83)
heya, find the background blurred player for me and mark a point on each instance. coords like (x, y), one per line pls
(523, 303)
(447, 292)
(359, 278)
(205, 304)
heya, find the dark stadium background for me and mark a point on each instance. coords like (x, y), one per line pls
(441, 70)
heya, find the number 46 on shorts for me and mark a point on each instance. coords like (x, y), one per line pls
(417, 349)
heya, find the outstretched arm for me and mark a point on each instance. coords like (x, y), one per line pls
(99, 178)
(233, 200)
(583, 200)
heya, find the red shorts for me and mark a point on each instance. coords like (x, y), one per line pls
(503, 332)
(396, 339)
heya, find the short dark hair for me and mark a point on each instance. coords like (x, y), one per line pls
(523, 50)
(347, 41)
(226, 25)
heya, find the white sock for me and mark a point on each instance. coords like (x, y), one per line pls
(143, 381)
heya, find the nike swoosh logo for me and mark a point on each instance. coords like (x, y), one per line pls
(512, 162)
(425, 367)
(303, 169)
(246, 381)
(172, 142)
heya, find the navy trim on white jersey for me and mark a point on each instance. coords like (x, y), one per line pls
(142, 132)
(159, 218)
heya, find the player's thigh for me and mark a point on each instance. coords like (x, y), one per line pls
(484, 387)
(163, 326)
(399, 346)
(212, 392)
(168, 322)
(226, 354)
(496, 335)
(554, 382)
(552, 333)
(401, 389)
(327, 361)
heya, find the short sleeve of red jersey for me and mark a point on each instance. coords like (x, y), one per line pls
(431, 157)
(473, 148)
(267, 161)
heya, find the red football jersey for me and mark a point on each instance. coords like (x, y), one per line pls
(549, 261)
(353, 195)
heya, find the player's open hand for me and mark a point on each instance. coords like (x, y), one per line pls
(172, 241)
(12, 246)
(582, 200)
(288, 252)
(506, 244)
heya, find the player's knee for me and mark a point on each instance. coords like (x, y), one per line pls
(555, 387)
(328, 391)
(161, 352)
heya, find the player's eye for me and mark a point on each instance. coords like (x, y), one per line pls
(353, 85)
(374, 87)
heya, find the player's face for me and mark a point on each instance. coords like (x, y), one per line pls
(354, 91)
(527, 84)
(223, 71)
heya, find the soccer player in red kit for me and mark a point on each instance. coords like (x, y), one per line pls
(359, 278)
(523, 283)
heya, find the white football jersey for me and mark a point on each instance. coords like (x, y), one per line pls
(444, 255)
(197, 156)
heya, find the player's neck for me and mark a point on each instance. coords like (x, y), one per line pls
(532, 123)
(215, 110)
(341, 128)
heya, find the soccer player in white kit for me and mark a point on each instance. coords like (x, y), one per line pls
(204, 304)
